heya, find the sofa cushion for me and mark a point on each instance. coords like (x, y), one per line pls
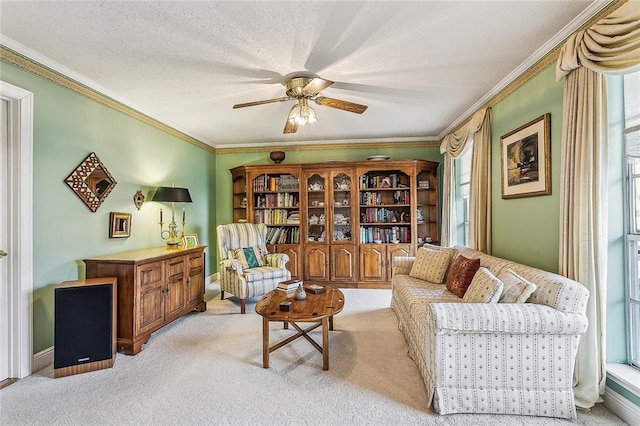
(249, 257)
(431, 265)
(460, 274)
(516, 289)
(265, 273)
(484, 288)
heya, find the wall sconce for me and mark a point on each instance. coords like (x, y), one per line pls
(172, 235)
(138, 199)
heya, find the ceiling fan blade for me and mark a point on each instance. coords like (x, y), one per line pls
(343, 105)
(267, 101)
(315, 86)
(290, 127)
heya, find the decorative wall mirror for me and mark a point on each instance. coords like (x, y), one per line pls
(91, 182)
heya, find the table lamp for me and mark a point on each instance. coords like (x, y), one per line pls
(171, 194)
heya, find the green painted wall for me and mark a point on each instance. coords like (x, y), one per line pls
(67, 127)
(526, 229)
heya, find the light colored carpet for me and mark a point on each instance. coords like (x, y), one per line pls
(206, 368)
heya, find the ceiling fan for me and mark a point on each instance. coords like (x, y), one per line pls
(305, 89)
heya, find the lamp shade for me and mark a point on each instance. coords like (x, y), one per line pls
(172, 195)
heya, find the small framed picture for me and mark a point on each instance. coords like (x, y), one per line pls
(526, 159)
(189, 240)
(119, 225)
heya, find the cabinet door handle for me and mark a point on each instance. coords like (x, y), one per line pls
(3, 253)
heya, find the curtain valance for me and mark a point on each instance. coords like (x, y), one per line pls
(610, 46)
(455, 143)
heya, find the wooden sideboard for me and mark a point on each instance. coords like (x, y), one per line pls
(155, 286)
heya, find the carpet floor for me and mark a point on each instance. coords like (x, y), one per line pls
(206, 368)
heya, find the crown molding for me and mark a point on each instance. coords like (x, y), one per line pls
(428, 142)
(33, 62)
(535, 63)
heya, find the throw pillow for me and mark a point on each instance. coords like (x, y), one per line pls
(431, 265)
(460, 274)
(516, 288)
(249, 257)
(484, 288)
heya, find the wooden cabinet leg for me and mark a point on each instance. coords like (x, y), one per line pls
(243, 306)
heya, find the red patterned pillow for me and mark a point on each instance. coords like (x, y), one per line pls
(460, 274)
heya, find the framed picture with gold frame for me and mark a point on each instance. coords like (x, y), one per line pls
(526, 159)
(189, 240)
(119, 225)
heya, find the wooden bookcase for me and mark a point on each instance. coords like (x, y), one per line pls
(341, 222)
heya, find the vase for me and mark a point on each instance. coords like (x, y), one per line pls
(277, 156)
(300, 294)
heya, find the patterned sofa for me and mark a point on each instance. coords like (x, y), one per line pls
(501, 358)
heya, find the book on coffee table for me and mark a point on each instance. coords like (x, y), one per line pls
(289, 285)
(315, 289)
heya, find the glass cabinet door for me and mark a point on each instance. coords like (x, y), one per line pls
(316, 208)
(342, 208)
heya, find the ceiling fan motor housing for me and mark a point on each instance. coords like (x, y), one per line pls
(296, 85)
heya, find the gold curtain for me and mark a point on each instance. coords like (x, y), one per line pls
(611, 45)
(478, 133)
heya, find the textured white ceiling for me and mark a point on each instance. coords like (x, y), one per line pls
(418, 65)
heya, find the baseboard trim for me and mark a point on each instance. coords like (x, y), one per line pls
(213, 278)
(42, 359)
(621, 406)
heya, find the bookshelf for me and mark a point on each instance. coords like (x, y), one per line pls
(341, 222)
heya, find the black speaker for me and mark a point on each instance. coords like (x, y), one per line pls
(85, 326)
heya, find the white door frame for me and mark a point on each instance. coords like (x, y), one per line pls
(20, 236)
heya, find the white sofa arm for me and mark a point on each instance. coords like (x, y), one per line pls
(514, 318)
(402, 265)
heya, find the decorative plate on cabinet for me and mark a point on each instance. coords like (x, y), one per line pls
(378, 157)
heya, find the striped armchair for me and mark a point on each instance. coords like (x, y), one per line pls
(238, 279)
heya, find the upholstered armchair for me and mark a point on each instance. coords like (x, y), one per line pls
(246, 269)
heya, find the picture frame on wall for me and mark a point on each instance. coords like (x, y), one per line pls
(119, 225)
(189, 240)
(526, 159)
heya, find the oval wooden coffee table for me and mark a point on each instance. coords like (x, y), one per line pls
(316, 308)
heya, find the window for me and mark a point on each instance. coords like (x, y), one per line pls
(463, 181)
(632, 147)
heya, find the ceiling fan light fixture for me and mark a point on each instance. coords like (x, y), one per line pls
(303, 88)
(302, 114)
